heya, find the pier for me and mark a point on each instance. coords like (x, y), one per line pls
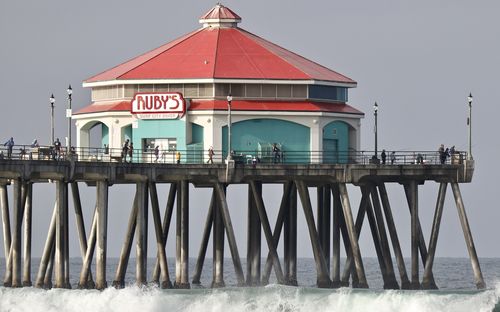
(335, 218)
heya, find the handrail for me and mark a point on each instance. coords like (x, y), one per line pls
(100, 154)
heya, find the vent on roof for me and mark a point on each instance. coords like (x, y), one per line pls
(220, 16)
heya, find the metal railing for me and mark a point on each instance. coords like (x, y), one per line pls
(92, 154)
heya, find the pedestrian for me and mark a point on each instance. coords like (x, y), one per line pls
(125, 150)
(452, 150)
(276, 153)
(442, 156)
(384, 156)
(446, 154)
(157, 152)
(178, 157)
(35, 143)
(106, 149)
(57, 148)
(131, 151)
(10, 145)
(210, 155)
(393, 157)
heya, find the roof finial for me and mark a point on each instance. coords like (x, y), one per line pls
(220, 16)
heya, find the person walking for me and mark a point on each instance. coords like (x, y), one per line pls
(442, 155)
(276, 153)
(131, 151)
(384, 156)
(210, 155)
(10, 145)
(177, 157)
(156, 152)
(57, 148)
(393, 157)
(125, 150)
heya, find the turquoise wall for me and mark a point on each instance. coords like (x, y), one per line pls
(104, 135)
(336, 142)
(196, 133)
(246, 136)
(174, 128)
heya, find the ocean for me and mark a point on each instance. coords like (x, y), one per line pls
(453, 275)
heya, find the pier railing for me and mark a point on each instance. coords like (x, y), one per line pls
(250, 157)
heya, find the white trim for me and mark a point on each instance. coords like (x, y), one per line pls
(274, 113)
(217, 80)
(101, 114)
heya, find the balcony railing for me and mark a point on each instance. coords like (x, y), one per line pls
(91, 154)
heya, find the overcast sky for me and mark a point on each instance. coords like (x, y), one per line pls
(418, 59)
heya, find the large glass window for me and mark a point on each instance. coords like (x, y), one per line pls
(164, 144)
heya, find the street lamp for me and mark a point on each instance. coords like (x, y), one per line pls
(68, 115)
(52, 101)
(375, 113)
(229, 100)
(469, 123)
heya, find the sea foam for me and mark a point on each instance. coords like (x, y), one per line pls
(270, 298)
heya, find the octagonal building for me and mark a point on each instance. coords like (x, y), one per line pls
(277, 97)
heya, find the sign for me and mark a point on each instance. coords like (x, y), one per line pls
(166, 105)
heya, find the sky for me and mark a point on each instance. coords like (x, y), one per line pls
(419, 60)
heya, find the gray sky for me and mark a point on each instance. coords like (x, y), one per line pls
(418, 59)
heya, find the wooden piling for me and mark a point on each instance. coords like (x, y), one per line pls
(184, 199)
(16, 234)
(336, 215)
(413, 191)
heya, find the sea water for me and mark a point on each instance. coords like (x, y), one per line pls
(453, 276)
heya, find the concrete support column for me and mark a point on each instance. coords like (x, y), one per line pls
(218, 246)
(141, 233)
(290, 236)
(413, 191)
(183, 222)
(253, 239)
(336, 215)
(102, 234)
(7, 239)
(27, 235)
(478, 276)
(61, 260)
(15, 253)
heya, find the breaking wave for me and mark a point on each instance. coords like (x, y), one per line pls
(270, 298)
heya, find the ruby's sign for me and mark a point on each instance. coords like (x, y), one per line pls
(167, 105)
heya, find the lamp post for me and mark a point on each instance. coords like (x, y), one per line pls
(52, 101)
(68, 115)
(229, 100)
(375, 113)
(469, 123)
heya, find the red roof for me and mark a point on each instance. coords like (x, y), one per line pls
(223, 53)
(237, 105)
(105, 107)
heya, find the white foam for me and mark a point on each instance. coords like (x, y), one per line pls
(270, 298)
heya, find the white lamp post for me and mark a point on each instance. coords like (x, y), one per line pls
(68, 114)
(469, 123)
(229, 100)
(52, 102)
(375, 113)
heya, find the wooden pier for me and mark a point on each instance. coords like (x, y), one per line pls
(334, 220)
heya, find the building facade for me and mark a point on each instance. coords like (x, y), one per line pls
(277, 98)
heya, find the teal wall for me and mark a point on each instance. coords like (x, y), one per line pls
(196, 133)
(104, 135)
(246, 136)
(336, 142)
(174, 128)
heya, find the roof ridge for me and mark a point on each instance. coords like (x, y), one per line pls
(216, 52)
(246, 32)
(172, 44)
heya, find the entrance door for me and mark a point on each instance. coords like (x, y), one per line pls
(330, 151)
